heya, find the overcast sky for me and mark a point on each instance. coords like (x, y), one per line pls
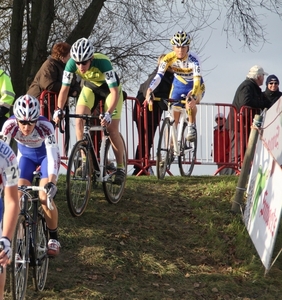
(227, 67)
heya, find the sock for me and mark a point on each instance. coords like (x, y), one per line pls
(53, 233)
(120, 166)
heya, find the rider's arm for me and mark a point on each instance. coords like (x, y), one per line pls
(66, 83)
(196, 86)
(63, 95)
(196, 76)
(6, 132)
(53, 155)
(10, 177)
(154, 83)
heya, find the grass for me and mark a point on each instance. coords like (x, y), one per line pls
(170, 239)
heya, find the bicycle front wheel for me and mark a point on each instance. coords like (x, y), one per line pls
(187, 158)
(163, 150)
(40, 269)
(20, 259)
(79, 177)
(113, 192)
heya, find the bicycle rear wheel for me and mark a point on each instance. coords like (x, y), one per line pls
(40, 269)
(164, 154)
(113, 192)
(20, 259)
(79, 177)
(188, 150)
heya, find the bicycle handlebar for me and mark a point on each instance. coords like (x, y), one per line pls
(26, 188)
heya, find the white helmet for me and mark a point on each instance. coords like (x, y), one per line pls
(81, 50)
(181, 38)
(26, 108)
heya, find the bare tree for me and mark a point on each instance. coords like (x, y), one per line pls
(131, 32)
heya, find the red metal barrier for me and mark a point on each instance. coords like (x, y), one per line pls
(140, 129)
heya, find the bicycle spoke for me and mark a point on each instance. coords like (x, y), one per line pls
(78, 179)
(187, 158)
(113, 192)
(164, 158)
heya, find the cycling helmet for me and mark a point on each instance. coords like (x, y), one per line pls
(181, 38)
(81, 50)
(26, 108)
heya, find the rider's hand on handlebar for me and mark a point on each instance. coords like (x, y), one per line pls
(51, 189)
(6, 247)
(107, 119)
(58, 115)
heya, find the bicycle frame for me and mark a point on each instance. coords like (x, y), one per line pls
(173, 143)
(176, 132)
(98, 166)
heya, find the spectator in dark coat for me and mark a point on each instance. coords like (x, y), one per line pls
(49, 76)
(162, 91)
(247, 94)
(272, 93)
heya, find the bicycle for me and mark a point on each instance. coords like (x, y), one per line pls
(172, 142)
(97, 168)
(29, 243)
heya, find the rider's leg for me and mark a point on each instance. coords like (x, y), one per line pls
(84, 104)
(116, 141)
(51, 216)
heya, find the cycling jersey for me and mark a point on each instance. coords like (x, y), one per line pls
(101, 77)
(187, 75)
(37, 149)
(9, 171)
(100, 71)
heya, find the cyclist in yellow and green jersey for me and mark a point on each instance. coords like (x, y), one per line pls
(7, 97)
(100, 83)
(187, 80)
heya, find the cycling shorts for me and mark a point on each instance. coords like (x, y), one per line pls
(88, 97)
(28, 164)
(179, 88)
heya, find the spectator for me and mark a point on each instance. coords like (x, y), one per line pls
(247, 94)
(221, 143)
(7, 96)
(272, 93)
(153, 117)
(9, 188)
(49, 76)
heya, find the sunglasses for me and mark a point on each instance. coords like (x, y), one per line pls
(273, 82)
(82, 62)
(219, 119)
(30, 123)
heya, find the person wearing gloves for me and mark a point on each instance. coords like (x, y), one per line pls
(37, 146)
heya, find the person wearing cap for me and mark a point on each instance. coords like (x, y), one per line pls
(249, 94)
(221, 143)
(272, 93)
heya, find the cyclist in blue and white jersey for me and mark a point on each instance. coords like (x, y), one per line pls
(100, 83)
(8, 218)
(187, 78)
(37, 146)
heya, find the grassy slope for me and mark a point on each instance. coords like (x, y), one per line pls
(170, 239)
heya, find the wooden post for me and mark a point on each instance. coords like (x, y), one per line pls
(248, 157)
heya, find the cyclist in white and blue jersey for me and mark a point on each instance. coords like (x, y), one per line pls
(37, 146)
(188, 80)
(8, 218)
